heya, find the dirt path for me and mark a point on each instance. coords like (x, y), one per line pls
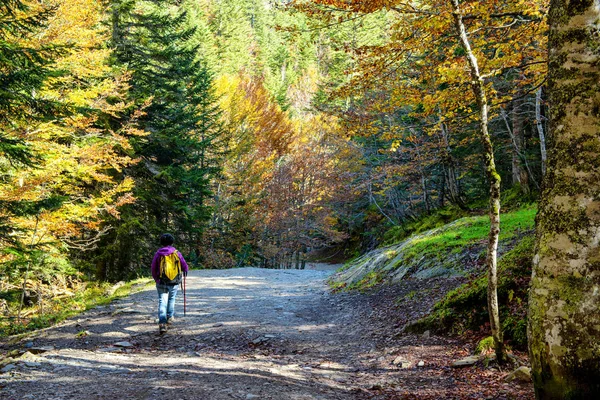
(248, 334)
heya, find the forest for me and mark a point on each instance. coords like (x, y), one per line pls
(263, 133)
(258, 133)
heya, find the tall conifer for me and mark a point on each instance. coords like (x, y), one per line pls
(152, 39)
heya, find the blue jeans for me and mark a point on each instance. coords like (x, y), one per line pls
(166, 301)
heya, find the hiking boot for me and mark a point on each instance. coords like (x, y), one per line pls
(162, 328)
(170, 320)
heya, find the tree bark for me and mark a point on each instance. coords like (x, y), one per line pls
(450, 176)
(519, 154)
(519, 175)
(564, 301)
(478, 86)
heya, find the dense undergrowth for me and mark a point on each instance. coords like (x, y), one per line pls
(76, 298)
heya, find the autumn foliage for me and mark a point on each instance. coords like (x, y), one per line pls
(257, 133)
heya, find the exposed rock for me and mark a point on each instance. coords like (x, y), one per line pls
(261, 339)
(426, 334)
(123, 344)
(8, 368)
(6, 361)
(114, 335)
(466, 362)
(421, 364)
(32, 364)
(401, 362)
(110, 349)
(398, 360)
(28, 356)
(521, 374)
(42, 349)
(391, 262)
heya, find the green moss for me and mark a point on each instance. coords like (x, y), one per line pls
(447, 251)
(465, 308)
(471, 230)
(485, 345)
(337, 286)
(370, 280)
(437, 219)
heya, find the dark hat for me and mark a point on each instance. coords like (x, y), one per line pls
(167, 239)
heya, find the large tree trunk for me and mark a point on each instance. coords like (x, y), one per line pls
(564, 303)
(478, 86)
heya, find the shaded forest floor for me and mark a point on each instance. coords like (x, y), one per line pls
(253, 334)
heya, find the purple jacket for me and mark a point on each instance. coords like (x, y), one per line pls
(165, 251)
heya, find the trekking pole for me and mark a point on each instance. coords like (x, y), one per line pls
(184, 295)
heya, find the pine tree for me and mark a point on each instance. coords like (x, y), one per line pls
(23, 70)
(152, 40)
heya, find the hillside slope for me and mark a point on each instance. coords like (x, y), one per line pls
(456, 249)
(437, 280)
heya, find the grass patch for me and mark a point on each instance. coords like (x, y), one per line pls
(437, 219)
(94, 294)
(458, 248)
(448, 244)
(370, 280)
(467, 231)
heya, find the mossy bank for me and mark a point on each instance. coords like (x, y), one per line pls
(456, 250)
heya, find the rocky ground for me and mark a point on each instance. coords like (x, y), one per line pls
(253, 334)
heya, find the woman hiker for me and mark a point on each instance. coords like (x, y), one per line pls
(167, 267)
